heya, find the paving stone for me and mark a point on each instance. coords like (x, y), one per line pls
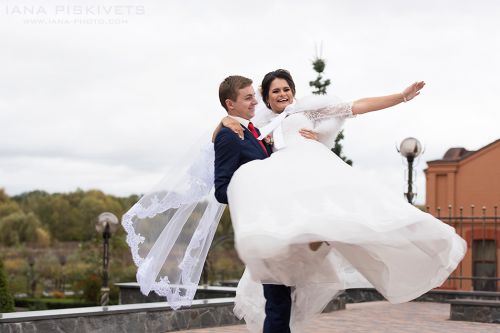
(383, 317)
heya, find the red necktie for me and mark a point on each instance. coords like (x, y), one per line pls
(252, 129)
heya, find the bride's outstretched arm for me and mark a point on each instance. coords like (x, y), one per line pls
(370, 104)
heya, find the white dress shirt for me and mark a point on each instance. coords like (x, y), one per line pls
(242, 121)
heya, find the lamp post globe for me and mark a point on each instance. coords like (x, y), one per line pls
(410, 148)
(106, 220)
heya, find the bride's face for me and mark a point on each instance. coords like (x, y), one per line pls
(280, 95)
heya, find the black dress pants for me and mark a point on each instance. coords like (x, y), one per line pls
(278, 308)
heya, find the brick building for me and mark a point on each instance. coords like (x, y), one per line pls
(469, 180)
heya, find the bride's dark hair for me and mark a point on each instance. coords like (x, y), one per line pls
(269, 78)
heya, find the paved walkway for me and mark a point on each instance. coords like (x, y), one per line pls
(383, 317)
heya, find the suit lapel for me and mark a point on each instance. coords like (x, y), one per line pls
(254, 141)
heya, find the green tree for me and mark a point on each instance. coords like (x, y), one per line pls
(320, 85)
(3, 196)
(6, 299)
(20, 228)
(38, 202)
(337, 149)
(69, 216)
(7, 206)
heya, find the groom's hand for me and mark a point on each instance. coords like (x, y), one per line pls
(309, 134)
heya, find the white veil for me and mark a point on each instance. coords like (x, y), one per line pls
(171, 228)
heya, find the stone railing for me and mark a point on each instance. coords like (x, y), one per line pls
(475, 310)
(145, 317)
(137, 318)
(446, 296)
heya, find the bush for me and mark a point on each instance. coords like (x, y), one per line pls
(91, 287)
(51, 303)
(8, 207)
(19, 227)
(6, 300)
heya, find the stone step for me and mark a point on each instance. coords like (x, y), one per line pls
(483, 311)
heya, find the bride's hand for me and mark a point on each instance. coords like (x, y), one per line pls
(309, 134)
(234, 126)
(412, 91)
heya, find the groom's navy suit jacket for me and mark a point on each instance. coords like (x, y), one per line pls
(230, 153)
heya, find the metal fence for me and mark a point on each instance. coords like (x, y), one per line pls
(480, 228)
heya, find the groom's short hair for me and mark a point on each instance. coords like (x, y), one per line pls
(229, 88)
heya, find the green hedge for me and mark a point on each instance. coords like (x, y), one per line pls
(51, 303)
(6, 300)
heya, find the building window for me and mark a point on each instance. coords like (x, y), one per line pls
(484, 264)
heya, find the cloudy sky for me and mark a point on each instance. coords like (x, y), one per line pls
(96, 94)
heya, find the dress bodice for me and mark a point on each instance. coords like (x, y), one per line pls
(291, 126)
(324, 115)
(326, 128)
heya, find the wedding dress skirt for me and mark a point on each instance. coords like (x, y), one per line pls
(303, 194)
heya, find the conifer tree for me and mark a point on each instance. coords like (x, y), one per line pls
(319, 85)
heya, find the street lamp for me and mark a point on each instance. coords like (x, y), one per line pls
(62, 262)
(107, 223)
(31, 280)
(410, 148)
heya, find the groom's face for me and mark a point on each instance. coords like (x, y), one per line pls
(245, 103)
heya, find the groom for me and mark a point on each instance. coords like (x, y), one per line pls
(237, 96)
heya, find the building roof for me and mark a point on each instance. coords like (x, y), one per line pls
(459, 153)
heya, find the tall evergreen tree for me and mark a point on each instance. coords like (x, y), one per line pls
(337, 149)
(319, 85)
(6, 299)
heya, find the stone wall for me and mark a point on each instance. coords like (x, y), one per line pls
(445, 296)
(475, 310)
(149, 317)
(360, 295)
(436, 295)
(136, 318)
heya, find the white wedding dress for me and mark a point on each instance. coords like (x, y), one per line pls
(304, 193)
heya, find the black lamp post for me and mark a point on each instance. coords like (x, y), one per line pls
(410, 148)
(62, 262)
(107, 224)
(31, 274)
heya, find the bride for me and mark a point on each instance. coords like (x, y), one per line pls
(304, 218)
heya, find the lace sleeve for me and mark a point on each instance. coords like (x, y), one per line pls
(340, 110)
(327, 130)
(328, 115)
